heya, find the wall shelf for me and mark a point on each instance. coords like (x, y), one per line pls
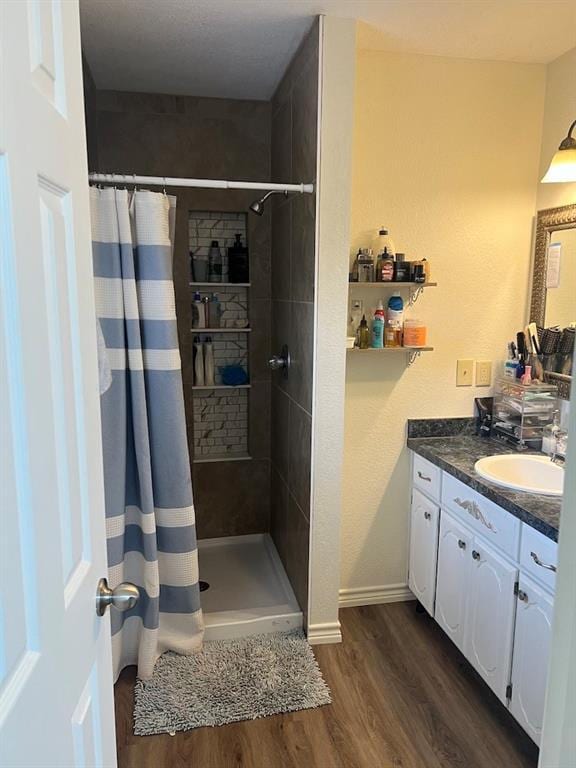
(208, 387)
(219, 285)
(393, 284)
(220, 330)
(415, 289)
(413, 352)
(213, 458)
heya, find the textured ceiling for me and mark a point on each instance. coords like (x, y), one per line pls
(240, 48)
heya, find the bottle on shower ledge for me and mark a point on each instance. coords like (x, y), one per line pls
(214, 263)
(208, 362)
(198, 312)
(198, 362)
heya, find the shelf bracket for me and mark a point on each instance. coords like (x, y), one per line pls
(414, 294)
(412, 355)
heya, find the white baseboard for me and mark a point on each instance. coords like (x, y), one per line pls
(387, 593)
(324, 634)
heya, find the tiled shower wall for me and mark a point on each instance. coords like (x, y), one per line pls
(165, 135)
(294, 116)
(206, 226)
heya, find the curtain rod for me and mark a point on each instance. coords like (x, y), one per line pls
(168, 181)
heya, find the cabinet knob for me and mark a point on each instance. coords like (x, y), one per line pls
(475, 554)
(522, 596)
(427, 515)
(461, 544)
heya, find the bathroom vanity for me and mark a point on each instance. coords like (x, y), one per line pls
(483, 565)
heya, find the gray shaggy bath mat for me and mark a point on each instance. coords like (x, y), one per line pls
(229, 680)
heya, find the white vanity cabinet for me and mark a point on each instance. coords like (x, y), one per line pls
(488, 580)
(452, 584)
(532, 638)
(423, 548)
(490, 616)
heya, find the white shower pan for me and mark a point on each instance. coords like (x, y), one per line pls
(249, 592)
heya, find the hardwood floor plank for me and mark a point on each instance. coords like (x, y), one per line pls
(403, 697)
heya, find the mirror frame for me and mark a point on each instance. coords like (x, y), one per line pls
(547, 221)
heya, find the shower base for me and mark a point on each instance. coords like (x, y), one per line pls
(249, 592)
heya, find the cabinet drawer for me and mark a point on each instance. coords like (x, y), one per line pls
(426, 476)
(497, 525)
(534, 547)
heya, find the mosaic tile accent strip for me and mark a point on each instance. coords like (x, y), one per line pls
(205, 226)
(220, 423)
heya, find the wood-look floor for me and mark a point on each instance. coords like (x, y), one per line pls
(403, 697)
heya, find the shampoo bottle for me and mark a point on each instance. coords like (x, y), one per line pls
(198, 312)
(214, 263)
(198, 362)
(208, 362)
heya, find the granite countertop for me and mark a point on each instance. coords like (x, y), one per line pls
(458, 449)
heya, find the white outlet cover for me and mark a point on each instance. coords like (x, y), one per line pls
(483, 373)
(464, 373)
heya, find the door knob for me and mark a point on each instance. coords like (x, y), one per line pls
(123, 597)
(281, 361)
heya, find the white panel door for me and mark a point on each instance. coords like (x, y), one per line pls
(532, 638)
(490, 621)
(452, 583)
(423, 549)
(56, 704)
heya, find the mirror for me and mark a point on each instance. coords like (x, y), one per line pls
(553, 303)
(560, 305)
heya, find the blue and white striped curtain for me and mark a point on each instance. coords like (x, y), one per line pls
(149, 510)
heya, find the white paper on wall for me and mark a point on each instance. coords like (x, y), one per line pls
(553, 265)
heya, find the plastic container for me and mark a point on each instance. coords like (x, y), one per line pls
(383, 242)
(414, 333)
(521, 412)
(199, 267)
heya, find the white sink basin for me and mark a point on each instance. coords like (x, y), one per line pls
(534, 474)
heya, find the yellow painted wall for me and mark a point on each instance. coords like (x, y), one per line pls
(446, 155)
(559, 112)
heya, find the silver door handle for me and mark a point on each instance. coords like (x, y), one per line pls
(539, 562)
(123, 597)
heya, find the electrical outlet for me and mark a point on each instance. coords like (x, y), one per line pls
(483, 373)
(464, 370)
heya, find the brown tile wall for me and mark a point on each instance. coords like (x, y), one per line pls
(163, 135)
(294, 131)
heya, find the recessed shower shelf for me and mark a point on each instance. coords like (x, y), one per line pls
(219, 285)
(212, 458)
(221, 330)
(223, 386)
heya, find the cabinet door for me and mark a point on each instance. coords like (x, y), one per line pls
(454, 566)
(531, 650)
(490, 621)
(423, 549)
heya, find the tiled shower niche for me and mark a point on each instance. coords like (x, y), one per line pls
(221, 412)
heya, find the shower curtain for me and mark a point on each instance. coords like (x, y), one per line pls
(150, 527)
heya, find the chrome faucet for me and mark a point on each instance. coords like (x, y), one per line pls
(560, 444)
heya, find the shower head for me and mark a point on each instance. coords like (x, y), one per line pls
(257, 206)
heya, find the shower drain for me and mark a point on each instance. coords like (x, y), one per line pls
(204, 586)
